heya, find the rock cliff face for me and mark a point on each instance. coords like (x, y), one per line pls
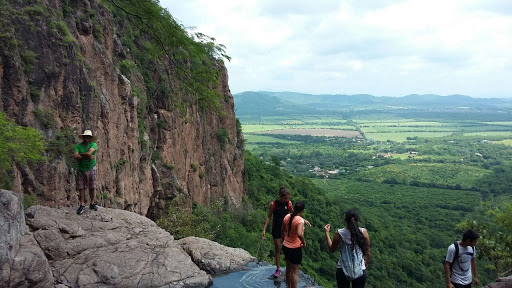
(108, 247)
(60, 73)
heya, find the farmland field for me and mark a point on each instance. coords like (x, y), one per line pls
(251, 128)
(318, 132)
(507, 142)
(253, 138)
(402, 136)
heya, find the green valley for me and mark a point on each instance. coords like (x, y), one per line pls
(419, 175)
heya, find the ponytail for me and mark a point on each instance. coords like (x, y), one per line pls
(356, 236)
(297, 208)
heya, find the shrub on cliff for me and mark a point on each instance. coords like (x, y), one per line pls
(17, 144)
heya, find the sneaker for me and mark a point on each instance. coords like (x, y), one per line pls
(277, 273)
(80, 209)
(93, 206)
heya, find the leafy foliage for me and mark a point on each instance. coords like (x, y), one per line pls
(183, 221)
(495, 242)
(17, 144)
(223, 137)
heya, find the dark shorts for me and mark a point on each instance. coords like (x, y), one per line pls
(293, 255)
(86, 179)
(276, 231)
(343, 282)
(457, 285)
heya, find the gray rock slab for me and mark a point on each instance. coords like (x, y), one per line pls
(215, 258)
(111, 248)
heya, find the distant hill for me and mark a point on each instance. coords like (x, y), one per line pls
(262, 103)
(282, 103)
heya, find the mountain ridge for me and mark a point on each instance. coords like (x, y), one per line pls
(267, 102)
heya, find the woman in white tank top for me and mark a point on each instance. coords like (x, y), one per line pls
(356, 237)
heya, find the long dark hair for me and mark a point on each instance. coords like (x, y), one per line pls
(297, 208)
(356, 236)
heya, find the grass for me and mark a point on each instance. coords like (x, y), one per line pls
(507, 142)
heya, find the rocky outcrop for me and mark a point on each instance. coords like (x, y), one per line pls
(60, 72)
(504, 282)
(108, 247)
(22, 262)
(213, 257)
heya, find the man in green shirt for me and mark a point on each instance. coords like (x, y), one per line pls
(85, 155)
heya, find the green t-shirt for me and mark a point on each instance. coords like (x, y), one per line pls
(86, 164)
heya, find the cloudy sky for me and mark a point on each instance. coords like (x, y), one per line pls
(378, 47)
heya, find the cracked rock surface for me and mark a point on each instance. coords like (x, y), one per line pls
(55, 247)
(111, 247)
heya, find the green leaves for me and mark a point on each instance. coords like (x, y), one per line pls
(193, 56)
(495, 241)
(19, 144)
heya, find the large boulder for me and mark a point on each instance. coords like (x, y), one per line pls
(22, 262)
(505, 282)
(215, 258)
(111, 247)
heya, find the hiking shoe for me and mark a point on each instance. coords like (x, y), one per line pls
(80, 209)
(93, 206)
(277, 273)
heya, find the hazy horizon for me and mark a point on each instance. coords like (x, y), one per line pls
(355, 94)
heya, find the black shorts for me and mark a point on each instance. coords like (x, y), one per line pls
(457, 285)
(293, 255)
(276, 231)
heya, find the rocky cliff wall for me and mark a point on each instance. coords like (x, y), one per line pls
(60, 73)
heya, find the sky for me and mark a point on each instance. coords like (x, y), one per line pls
(378, 47)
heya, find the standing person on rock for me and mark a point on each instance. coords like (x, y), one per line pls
(460, 263)
(293, 242)
(85, 155)
(358, 242)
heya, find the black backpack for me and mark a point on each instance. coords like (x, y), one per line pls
(456, 244)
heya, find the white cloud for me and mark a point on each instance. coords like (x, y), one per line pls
(381, 47)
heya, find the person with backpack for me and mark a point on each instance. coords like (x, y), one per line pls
(293, 242)
(277, 210)
(353, 242)
(460, 263)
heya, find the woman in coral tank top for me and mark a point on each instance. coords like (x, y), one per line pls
(292, 232)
